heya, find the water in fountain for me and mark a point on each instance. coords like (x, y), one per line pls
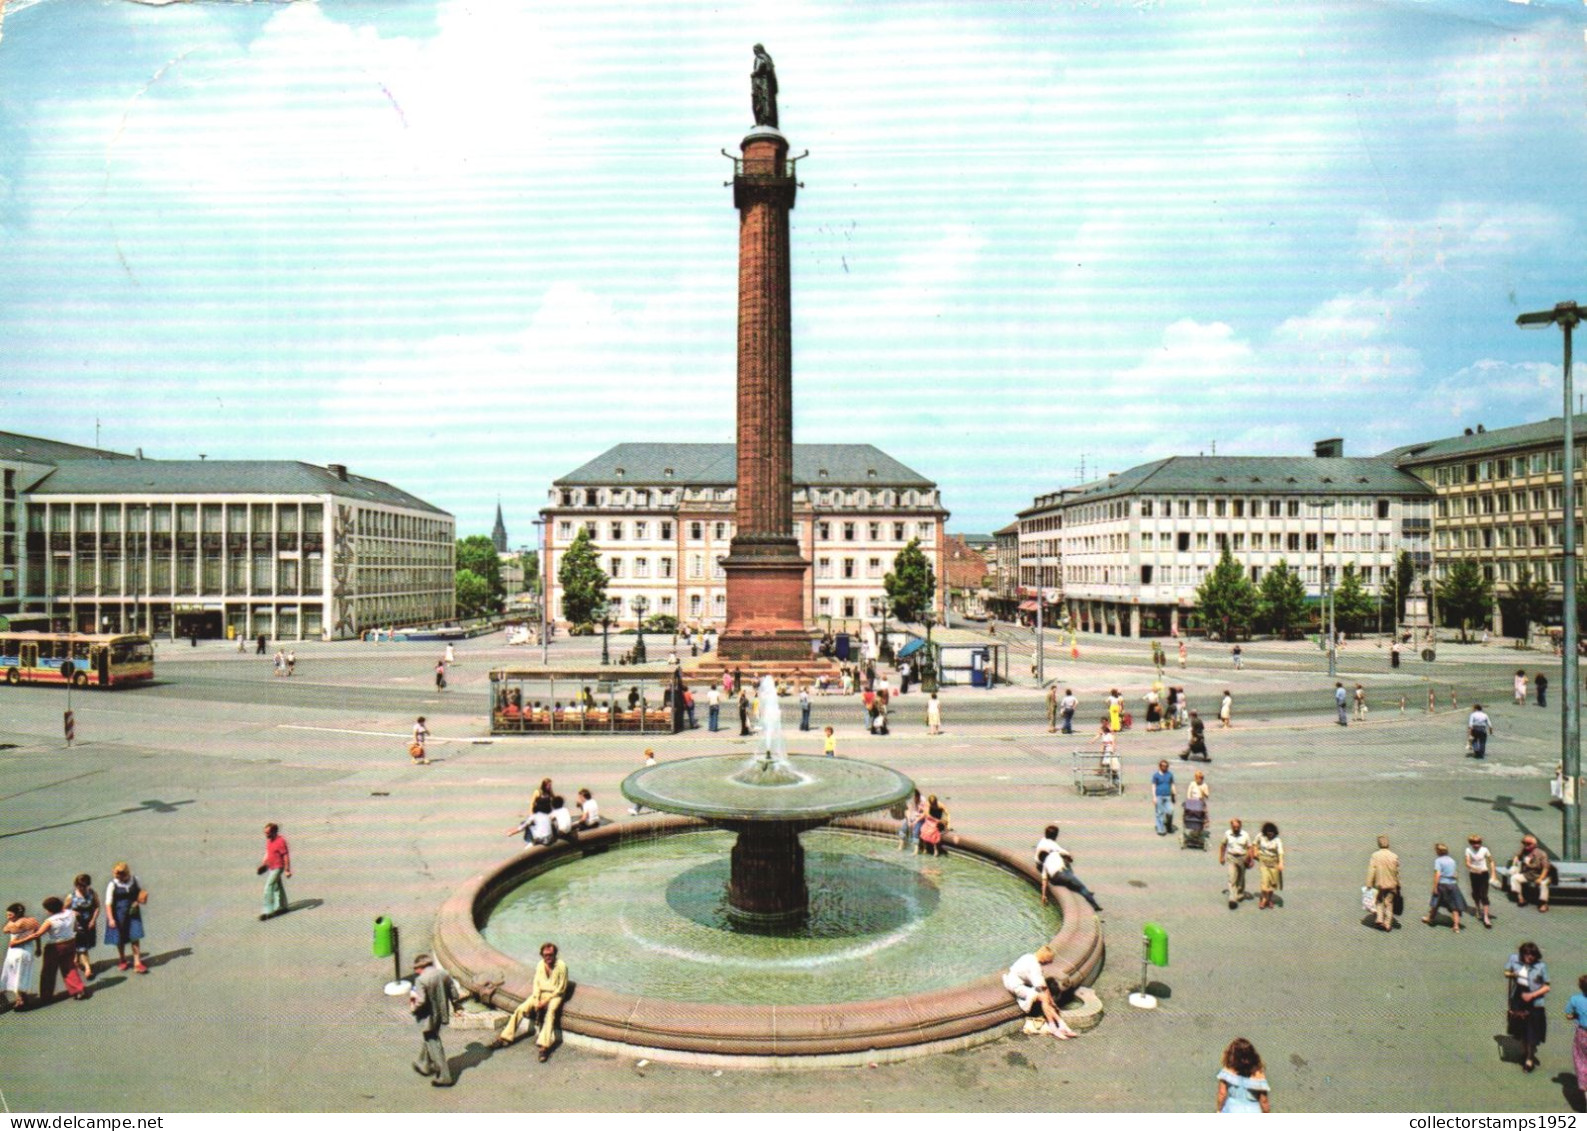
(771, 766)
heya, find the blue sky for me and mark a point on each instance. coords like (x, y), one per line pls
(467, 246)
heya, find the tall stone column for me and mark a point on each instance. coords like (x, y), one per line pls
(765, 572)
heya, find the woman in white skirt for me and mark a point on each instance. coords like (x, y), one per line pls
(16, 977)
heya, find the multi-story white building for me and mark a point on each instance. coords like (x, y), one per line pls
(202, 547)
(1500, 503)
(1135, 546)
(662, 517)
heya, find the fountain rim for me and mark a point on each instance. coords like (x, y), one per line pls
(892, 787)
(754, 1035)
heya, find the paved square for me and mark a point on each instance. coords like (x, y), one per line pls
(287, 1015)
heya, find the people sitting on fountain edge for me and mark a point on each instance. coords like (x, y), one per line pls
(1027, 980)
(537, 828)
(561, 818)
(550, 986)
(589, 811)
(1057, 868)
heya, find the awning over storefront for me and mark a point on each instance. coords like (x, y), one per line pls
(913, 645)
(1027, 606)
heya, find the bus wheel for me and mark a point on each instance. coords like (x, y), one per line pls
(80, 679)
(13, 677)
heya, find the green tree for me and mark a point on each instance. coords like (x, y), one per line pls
(1281, 599)
(1353, 605)
(583, 582)
(473, 594)
(529, 562)
(1227, 599)
(912, 584)
(1529, 598)
(1464, 595)
(1404, 581)
(476, 554)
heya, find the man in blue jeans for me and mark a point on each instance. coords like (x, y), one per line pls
(1339, 704)
(1164, 797)
(713, 707)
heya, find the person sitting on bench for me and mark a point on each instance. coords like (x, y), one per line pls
(1530, 866)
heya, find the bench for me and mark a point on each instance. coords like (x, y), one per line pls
(1566, 877)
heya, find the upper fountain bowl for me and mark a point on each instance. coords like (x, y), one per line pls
(718, 788)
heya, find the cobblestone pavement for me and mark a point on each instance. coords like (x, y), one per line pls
(286, 1015)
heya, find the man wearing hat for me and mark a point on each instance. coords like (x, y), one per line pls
(430, 1001)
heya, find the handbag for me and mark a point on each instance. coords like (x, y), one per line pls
(1399, 902)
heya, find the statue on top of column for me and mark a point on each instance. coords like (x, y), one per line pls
(763, 89)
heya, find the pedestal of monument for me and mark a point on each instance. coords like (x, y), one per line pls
(765, 602)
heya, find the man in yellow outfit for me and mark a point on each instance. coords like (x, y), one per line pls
(545, 998)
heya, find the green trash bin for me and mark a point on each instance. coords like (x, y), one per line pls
(384, 944)
(1156, 944)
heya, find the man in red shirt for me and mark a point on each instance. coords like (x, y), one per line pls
(276, 863)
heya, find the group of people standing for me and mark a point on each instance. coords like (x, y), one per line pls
(64, 939)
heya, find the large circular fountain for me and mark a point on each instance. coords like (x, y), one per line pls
(716, 932)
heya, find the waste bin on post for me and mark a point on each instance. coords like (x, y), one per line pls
(1154, 952)
(387, 943)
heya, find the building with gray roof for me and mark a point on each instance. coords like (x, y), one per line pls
(102, 541)
(662, 517)
(1125, 554)
(1500, 502)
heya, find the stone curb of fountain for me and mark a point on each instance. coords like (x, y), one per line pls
(824, 1035)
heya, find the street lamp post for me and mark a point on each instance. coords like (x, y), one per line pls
(1566, 315)
(606, 624)
(543, 539)
(1325, 589)
(640, 606)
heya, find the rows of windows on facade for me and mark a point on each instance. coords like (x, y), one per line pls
(118, 543)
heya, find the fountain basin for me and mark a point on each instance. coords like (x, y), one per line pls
(746, 1033)
(708, 787)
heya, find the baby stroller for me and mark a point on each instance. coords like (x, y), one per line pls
(1193, 829)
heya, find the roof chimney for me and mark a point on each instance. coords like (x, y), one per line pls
(1468, 432)
(1329, 449)
(337, 469)
(1480, 429)
(139, 452)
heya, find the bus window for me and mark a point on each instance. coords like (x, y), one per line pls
(128, 652)
(10, 648)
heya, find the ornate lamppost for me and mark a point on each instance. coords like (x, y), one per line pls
(640, 604)
(605, 615)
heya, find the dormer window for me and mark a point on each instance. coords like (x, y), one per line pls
(620, 473)
(666, 473)
(822, 474)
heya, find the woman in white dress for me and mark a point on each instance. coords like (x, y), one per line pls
(16, 977)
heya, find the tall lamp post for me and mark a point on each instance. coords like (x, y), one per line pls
(641, 604)
(1326, 583)
(1566, 315)
(604, 613)
(542, 537)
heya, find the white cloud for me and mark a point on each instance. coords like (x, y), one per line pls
(1459, 234)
